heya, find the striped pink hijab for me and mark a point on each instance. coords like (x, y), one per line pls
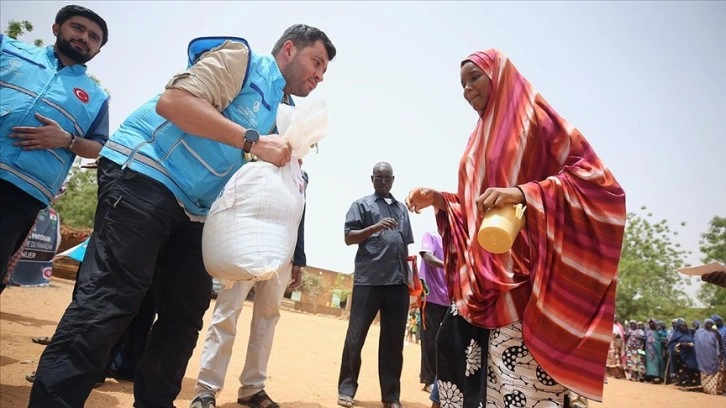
(560, 276)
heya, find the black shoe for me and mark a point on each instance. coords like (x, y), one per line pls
(258, 400)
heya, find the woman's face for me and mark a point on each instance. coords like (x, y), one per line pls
(683, 327)
(477, 86)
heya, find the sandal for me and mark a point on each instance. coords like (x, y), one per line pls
(45, 340)
(204, 401)
(258, 400)
(345, 400)
(577, 401)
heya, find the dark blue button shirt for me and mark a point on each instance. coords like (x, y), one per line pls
(382, 258)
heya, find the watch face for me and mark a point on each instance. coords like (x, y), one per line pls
(252, 136)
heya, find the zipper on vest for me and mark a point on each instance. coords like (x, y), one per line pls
(138, 146)
(38, 97)
(259, 91)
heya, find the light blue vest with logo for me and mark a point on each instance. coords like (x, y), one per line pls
(30, 83)
(194, 168)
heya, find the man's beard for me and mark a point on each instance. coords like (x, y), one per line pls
(293, 75)
(64, 47)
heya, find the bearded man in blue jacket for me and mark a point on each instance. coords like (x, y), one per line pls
(50, 111)
(158, 175)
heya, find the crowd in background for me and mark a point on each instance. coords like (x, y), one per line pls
(693, 358)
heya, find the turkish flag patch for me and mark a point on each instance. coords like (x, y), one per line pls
(81, 94)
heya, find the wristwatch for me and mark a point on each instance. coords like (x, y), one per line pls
(251, 137)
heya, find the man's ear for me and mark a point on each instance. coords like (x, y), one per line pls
(56, 29)
(288, 49)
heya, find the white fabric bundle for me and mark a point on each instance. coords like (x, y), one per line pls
(251, 229)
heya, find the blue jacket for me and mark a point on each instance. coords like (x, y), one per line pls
(33, 81)
(194, 168)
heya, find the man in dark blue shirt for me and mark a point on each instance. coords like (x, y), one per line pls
(379, 224)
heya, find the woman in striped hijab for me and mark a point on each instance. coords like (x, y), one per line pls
(532, 323)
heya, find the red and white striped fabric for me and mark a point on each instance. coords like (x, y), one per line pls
(559, 278)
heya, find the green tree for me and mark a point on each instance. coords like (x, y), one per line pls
(313, 285)
(713, 246)
(78, 205)
(18, 28)
(340, 287)
(648, 283)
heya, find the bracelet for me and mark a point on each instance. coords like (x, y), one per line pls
(72, 142)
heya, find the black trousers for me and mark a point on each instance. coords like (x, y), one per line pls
(126, 354)
(433, 315)
(132, 344)
(138, 225)
(18, 211)
(392, 301)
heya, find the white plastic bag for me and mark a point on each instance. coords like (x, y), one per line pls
(251, 229)
(302, 126)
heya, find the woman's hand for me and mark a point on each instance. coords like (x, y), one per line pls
(421, 197)
(498, 197)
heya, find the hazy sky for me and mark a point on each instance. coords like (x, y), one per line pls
(644, 82)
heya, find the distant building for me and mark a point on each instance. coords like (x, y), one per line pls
(334, 292)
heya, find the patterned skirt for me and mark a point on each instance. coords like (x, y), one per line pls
(687, 378)
(512, 377)
(711, 383)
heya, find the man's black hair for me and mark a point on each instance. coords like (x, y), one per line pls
(72, 10)
(302, 35)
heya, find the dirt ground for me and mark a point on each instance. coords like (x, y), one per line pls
(303, 368)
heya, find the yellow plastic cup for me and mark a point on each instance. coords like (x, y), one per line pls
(500, 227)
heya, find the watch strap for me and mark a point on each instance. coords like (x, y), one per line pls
(247, 146)
(251, 137)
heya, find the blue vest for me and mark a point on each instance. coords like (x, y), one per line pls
(30, 82)
(194, 168)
